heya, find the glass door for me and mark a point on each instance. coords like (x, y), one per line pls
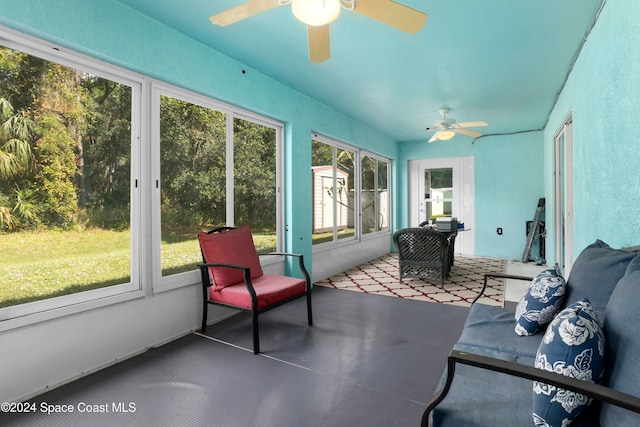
(563, 183)
(440, 188)
(438, 194)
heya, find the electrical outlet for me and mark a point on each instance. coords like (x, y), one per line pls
(499, 231)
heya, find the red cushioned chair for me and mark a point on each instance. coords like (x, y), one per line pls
(232, 277)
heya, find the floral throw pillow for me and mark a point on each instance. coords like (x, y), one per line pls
(574, 346)
(541, 302)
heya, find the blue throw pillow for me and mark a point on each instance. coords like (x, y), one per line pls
(541, 302)
(573, 345)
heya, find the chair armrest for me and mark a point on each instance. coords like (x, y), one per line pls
(507, 276)
(596, 391)
(246, 275)
(237, 267)
(281, 253)
(300, 257)
(488, 276)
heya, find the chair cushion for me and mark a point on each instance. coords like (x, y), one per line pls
(541, 302)
(623, 346)
(230, 247)
(573, 345)
(270, 289)
(595, 273)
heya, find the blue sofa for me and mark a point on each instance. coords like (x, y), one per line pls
(488, 381)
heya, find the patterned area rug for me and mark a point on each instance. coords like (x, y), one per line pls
(381, 276)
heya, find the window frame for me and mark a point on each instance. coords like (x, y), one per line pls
(145, 267)
(165, 283)
(376, 185)
(359, 236)
(431, 200)
(28, 313)
(338, 145)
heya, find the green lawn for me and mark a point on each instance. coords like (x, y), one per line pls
(40, 265)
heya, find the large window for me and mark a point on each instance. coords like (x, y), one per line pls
(374, 195)
(91, 203)
(192, 179)
(68, 184)
(333, 192)
(218, 167)
(350, 192)
(255, 181)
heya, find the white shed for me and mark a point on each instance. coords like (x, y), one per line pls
(324, 196)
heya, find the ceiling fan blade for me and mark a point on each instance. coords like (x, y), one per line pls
(468, 132)
(242, 11)
(391, 13)
(472, 124)
(434, 137)
(319, 45)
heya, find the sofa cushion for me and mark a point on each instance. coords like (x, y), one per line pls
(595, 273)
(543, 299)
(488, 331)
(230, 247)
(623, 346)
(573, 345)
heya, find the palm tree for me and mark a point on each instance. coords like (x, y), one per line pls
(7, 219)
(15, 155)
(15, 149)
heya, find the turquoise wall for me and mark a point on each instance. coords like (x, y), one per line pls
(603, 94)
(117, 34)
(509, 180)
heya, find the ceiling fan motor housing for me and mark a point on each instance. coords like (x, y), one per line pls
(444, 123)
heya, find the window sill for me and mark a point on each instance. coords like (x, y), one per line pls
(41, 311)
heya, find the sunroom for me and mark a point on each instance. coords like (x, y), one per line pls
(344, 156)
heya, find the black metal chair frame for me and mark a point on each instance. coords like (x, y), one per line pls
(254, 310)
(488, 276)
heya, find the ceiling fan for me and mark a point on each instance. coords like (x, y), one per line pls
(446, 128)
(318, 14)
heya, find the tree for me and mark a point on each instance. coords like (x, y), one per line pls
(15, 158)
(254, 175)
(74, 167)
(104, 162)
(192, 163)
(15, 147)
(60, 118)
(50, 96)
(56, 172)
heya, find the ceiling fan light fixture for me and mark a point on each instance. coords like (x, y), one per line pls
(316, 12)
(445, 135)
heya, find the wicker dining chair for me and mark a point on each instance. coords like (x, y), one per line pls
(423, 253)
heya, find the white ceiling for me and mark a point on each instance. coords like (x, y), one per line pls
(501, 61)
